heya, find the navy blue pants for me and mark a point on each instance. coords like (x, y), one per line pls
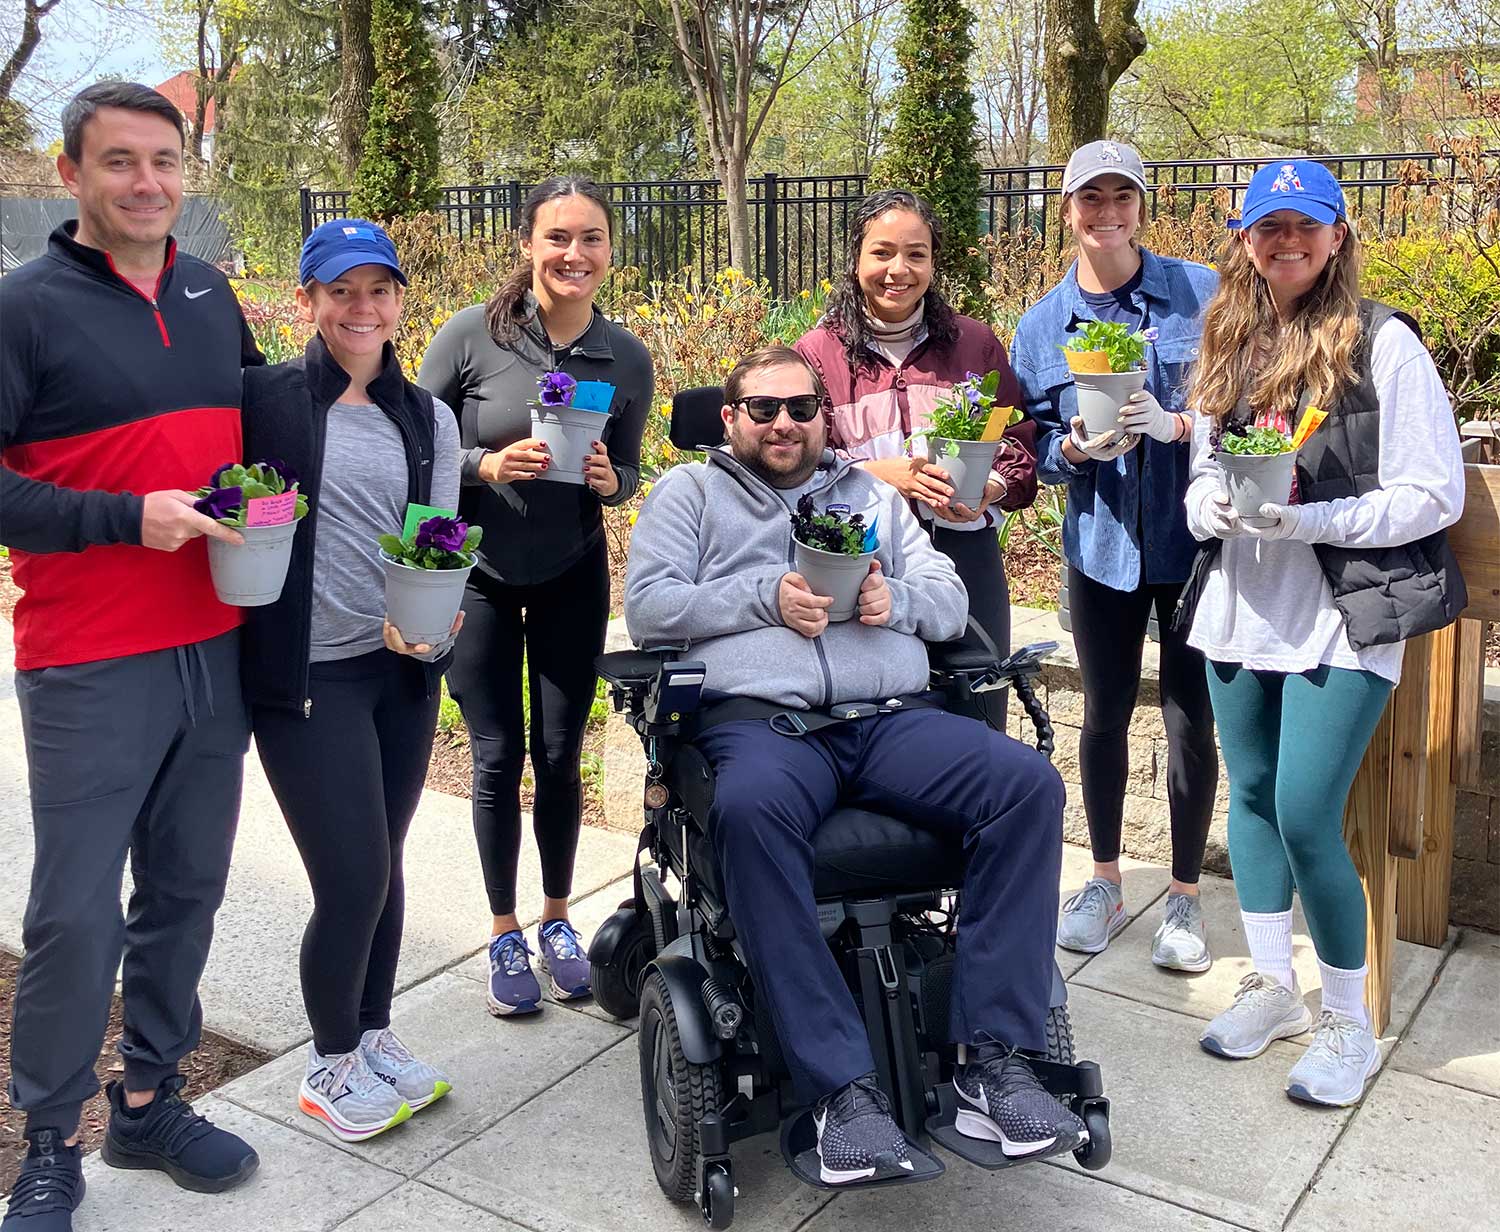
(947, 774)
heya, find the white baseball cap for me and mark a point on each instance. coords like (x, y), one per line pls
(1098, 158)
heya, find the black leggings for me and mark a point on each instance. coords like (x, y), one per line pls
(559, 627)
(348, 778)
(1109, 632)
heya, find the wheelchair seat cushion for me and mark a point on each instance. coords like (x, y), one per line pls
(857, 851)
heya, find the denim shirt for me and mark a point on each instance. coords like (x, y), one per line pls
(1124, 525)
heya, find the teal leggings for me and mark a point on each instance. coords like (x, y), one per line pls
(1292, 744)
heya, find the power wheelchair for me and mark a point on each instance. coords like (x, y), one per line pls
(712, 1070)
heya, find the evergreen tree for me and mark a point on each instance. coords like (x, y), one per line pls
(398, 172)
(932, 147)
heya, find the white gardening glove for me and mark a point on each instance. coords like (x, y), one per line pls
(1143, 416)
(1285, 520)
(1221, 518)
(1105, 447)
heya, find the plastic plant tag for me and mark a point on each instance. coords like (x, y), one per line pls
(275, 510)
(1001, 417)
(872, 537)
(420, 513)
(1312, 418)
(593, 396)
(1087, 361)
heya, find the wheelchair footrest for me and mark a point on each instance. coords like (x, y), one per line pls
(980, 1151)
(799, 1146)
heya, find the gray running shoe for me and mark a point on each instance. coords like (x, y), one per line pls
(1337, 1064)
(1092, 916)
(1263, 1011)
(1180, 943)
(415, 1081)
(351, 1101)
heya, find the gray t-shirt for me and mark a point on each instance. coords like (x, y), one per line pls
(363, 496)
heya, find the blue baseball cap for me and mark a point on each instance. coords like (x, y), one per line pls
(337, 246)
(1301, 185)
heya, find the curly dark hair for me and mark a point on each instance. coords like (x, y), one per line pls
(844, 313)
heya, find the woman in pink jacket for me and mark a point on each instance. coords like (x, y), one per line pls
(888, 347)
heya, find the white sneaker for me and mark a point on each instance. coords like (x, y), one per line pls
(1181, 943)
(1263, 1011)
(418, 1083)
(1092, 916)
(348, 1098)
(1337, 1064)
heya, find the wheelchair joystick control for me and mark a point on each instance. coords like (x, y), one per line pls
(724, 1011)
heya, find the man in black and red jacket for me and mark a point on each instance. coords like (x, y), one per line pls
(120, 365)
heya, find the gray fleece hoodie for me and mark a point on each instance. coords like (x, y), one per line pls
(707, 556)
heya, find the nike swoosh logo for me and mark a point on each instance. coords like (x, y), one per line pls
(196, 294)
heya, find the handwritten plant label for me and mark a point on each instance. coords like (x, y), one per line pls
(271, 510)
(593, 396)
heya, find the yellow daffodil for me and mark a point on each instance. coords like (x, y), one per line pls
(805, 295)
(643, 312)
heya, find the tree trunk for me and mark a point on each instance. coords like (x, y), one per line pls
(737, 207)
(356, 79)
(1082, 59)
(31, 35)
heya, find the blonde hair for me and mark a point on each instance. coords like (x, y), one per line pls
(1248, 352)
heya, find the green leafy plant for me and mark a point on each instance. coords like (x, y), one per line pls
(963, 413)
(832, 530)
(229, 492)
(1257, 442)
(436, 543)
(1125, 347)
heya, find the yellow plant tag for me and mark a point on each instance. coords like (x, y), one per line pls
(1001, 417)
(1311, 419)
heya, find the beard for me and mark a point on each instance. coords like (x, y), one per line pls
(784, 471)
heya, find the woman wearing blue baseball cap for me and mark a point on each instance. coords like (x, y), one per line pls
(344, 710)
(1125, 538)
(1303, 610)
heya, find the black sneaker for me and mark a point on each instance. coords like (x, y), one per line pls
(49, 1188)
(168, 1136)
(1000, 1100)
(857, 1140)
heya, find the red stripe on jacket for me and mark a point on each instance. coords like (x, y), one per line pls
(119, 599)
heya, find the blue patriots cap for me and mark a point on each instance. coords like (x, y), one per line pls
(1299, 184)
(340, 244)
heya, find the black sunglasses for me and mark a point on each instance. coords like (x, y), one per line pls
(763, 408)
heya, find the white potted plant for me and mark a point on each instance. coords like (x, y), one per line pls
(561, 418)
(1258, 466)
(262, 503)
(1108, 363)
(425, 575)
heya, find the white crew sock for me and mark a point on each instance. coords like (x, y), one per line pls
(1269, 934)
(1344, 992)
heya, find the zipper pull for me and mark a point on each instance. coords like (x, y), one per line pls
(307, 707)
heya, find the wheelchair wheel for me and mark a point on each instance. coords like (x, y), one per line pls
(617, 983)
(675, 1093)
(1059, 1035)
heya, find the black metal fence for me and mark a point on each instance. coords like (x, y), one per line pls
(798, 223)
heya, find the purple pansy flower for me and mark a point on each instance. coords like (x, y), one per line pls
(288, 475)
(445, 534)
(220, 503)
(213, 480)
(557, 388)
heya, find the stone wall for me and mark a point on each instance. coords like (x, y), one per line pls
(1476, 838)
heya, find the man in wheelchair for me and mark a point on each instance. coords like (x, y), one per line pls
(710, 567)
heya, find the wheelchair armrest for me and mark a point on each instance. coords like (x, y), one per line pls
(625, 669)
(959, 656)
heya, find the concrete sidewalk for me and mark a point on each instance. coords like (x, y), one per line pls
(543, 1130)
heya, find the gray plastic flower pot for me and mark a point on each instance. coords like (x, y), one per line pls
(422, 603)
(1253, 480)
(252, 575)
(968, 469)
(1102, 394)
(835, 575)
(570, 435)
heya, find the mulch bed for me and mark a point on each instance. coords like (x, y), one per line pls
(215, 1062)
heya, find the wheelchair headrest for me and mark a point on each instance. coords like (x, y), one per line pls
(695, 418)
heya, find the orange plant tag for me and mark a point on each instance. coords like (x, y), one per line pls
(1087, 361)
(1311, 419)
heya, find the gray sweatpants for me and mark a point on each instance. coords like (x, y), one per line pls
(142, 754)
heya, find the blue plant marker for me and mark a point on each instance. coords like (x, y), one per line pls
(872, 539)
(593, 396)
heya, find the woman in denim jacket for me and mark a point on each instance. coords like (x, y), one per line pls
(1125, 537)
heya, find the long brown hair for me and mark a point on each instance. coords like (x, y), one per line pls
(1248, 352)
(500, 311)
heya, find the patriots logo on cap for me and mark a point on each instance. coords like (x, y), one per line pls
(363, 233)
(1110, 151)
(1287, 180)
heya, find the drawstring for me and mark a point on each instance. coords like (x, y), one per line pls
(191, 668)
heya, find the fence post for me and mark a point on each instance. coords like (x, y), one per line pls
(770, 236)
(305, 205)
(514, 206)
